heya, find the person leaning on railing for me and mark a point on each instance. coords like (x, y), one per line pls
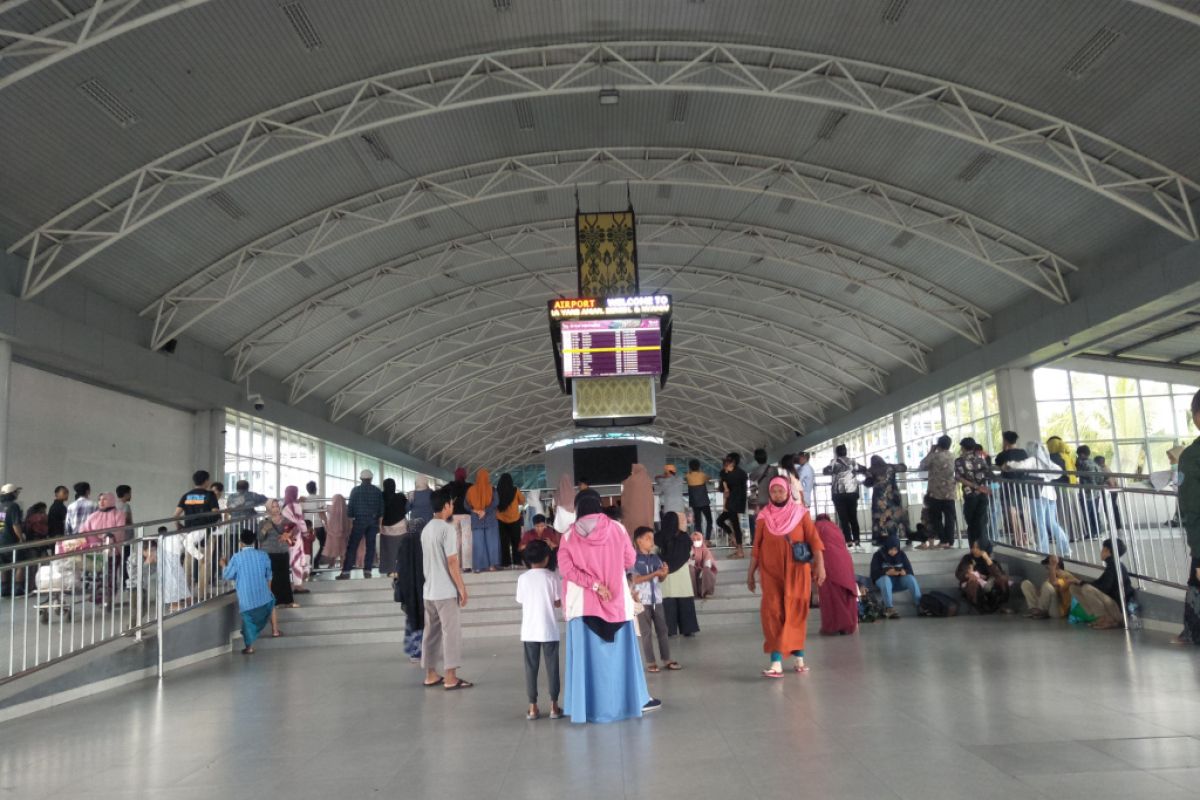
(1189, 517)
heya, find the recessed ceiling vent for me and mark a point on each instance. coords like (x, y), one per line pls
(1085, 58)
(540, 198)
(227, 205)
(297, 15)
(894, 10)
(99, 94)
(354, 313)
(377, 146)
(524, 111)
(902, 238)
(679, 107)
(422, 223)
(833, 118)
(786, 204)
(502, 5)
(303, 270)
(977, 165)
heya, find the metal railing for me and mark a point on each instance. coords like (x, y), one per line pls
(67, 595)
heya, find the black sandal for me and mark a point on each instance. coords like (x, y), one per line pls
(462, 684)
(438, 682)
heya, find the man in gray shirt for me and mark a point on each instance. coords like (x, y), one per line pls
(444, 595)
(670, 491)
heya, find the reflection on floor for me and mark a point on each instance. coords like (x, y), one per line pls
(960, 708)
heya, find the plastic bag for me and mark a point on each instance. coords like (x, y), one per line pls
(1077, 616)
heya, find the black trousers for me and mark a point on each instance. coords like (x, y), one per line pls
(942, 519)
(510, 538)
(281, 578)
(846, 506)
(731, 523)
(681, 615)
(706, 512)
(547, 651)
(975, 514)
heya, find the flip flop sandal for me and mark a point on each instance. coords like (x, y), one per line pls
(770, 673)
(673, 666)
(801, 668)
(438, 682)
(460, 685)
(532, 715)
(276, 634)
(652, 668)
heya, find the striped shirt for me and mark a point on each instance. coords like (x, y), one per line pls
(252, 570)
(78, 512)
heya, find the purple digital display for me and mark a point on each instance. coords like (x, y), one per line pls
(603, 348)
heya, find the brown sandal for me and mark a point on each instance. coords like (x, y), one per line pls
(653, 668)
(673, 666)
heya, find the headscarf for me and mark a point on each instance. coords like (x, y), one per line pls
(107, 516)
(480, 495)
(781, 520)
(460, 475)
(422, 483)
(336, 519)
(674, 544)
(395, 505)
(637, 499)
(878, 468)
(839, 564)
(507, 490)
(566, 493)
(291, 498)
(1041, 458)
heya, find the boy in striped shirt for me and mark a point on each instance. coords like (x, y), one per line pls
(251, 569)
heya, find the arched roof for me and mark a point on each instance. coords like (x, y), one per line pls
(372, 201)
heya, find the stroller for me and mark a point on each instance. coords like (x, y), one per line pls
(56, 585)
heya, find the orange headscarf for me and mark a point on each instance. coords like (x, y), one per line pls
(480, 494)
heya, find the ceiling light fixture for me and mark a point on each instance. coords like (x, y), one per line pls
(609, 97)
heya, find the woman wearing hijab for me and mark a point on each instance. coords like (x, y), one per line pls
(679, 598)
(481, 502)
(275, 537)
(395, 507)
(605, 682)
(293, 513)
(337, 529)
(786, 582)
(105, 517)
(982, 580)
(887, 505)
(508, 518)
(839, 593)
(420, 500)
(410, 585)
(637, 499)
(564, 504)
(1044, 503)
(703, 568)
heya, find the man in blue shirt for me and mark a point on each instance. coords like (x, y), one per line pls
(251, 569)
(365, 508)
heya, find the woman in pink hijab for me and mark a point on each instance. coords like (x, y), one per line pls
(293, 512)
(107, 516)
(839, 593)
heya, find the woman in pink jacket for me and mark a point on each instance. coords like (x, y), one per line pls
(605, 682)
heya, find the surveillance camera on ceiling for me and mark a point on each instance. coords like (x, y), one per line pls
(257, 401)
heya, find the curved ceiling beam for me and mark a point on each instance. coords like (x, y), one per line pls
(993, 123)
(105, 20)
(365, 344)
(377, 284)
(499, 369)
(908, 213)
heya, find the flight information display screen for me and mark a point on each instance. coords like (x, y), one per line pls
(599, 348)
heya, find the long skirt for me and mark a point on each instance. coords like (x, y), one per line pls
(605, 682)
(254, 620)
(839, 609)
(1191, 607)
(297, 562)
(412, 640)
(389, 547)
(679, 603)
(281, 579)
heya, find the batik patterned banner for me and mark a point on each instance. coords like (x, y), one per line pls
(607, 253)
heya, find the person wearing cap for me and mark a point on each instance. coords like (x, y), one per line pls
(670, 491)
(365, 508)
(11, 520)
(1101, 598)
(972, 472)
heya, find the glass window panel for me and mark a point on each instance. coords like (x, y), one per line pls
(1155, 387)
(1087, 385)
(1130, 458)
(1127, 416)
(1183, 388)
(243, 438)
(269, 452)
(1160, 419)
(1055, 418)
(1093, 421)
(1185, 426)
(950, 411)
(1051, 384)
(1122, 387)
(1158, 454)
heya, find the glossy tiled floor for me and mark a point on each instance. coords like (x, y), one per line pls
(922, 709)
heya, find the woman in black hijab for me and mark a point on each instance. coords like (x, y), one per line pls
(679, 599)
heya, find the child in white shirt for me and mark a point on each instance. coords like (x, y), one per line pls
(539, 593)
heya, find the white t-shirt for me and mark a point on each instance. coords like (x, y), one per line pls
(537, 592)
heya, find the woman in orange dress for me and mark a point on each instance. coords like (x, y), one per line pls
(786, 583)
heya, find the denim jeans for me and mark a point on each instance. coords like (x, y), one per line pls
(358, 530)
(1045, 518)
(895, 583)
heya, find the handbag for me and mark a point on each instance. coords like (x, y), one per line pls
(801, 552)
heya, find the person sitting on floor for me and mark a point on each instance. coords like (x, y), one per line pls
(892, 572)
(1101, 598)
(982, 580)
(1053, 597)
(703, 567)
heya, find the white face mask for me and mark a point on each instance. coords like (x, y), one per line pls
(697, 544)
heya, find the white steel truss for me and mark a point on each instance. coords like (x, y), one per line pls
(74, 32)
(1088, 160)
(463, 312)
(514, 179)
(380, 283)
(103, 20)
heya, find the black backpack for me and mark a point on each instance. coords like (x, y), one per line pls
(937, 604)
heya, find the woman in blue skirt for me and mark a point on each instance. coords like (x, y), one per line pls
(605, 682)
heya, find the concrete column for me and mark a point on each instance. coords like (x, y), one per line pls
(5, 381)
(899, 434)
(208, 442)
(1018, 403)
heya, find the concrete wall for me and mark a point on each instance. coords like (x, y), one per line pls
(63, 431)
